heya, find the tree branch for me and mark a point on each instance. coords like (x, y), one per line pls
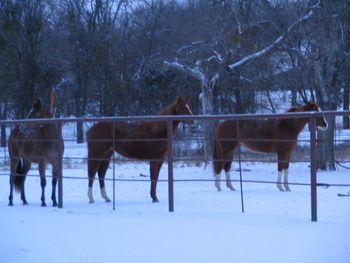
(266, 50)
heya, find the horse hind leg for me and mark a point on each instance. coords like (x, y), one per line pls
(54, 184)
(283, 165)
(42, 183)
(101, 175)
(227, 168)
(285, 182)
(279, 181)
(154, 170)
(23, 170)
(92, 169)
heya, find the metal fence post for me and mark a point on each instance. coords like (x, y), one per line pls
(240, 167)
(59, 165)
(313, 171)
(113, 156)
(170, 165)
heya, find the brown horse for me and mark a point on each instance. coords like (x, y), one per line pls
(143, 141)
(268, 136)
(38, 143)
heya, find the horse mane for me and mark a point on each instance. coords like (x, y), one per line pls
(288, 123)
(160, 127)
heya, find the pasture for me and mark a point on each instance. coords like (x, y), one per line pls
(207, 226)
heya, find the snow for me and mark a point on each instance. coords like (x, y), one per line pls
(206, 226)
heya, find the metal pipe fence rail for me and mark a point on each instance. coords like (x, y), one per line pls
(170, 143)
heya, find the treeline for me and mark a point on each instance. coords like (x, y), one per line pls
(124, 57)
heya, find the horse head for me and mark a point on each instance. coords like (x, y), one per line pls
(321, 122)
(182, 108)
(39, 111)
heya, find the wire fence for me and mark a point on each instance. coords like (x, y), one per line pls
(308, 154)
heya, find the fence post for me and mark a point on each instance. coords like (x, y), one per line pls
(59, 165)
(313, 171)
(170, 165)
(113, 156)
(240, 167)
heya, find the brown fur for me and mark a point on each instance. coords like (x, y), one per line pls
(267, 136)
(36, 143)
(143, 141)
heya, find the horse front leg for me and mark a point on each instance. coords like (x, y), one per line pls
(154, 170)
(229, 182)
(23, 169)
(283, 165)
(13, 168)
(42, 182)
(217, 182)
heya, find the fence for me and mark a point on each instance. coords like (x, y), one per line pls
(312, 116)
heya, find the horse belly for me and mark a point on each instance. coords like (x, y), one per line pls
(142, 150)
(259, 146)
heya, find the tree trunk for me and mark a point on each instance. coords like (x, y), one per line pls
(346, 100)
(3, 114)
(325, 149)
(79, 113)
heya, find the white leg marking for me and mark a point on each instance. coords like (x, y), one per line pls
(228, 181)
(279, 181)
(217, 182)
(104, 194)
(286, 186)
(91, 198)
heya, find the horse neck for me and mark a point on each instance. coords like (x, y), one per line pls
(160, 127)
(299, 124)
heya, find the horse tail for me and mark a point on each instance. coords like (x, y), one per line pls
(20, 175)
(217, 152)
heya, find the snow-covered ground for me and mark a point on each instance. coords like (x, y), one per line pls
(207, 226)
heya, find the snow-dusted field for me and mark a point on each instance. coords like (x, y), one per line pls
(207, 226)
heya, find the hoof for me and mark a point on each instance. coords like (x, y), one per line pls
(287, 188)
(231, 188)
(10, 204)
(280, 188)
(43, 205)
(108, 200)
(91, 201)
(54, 205)
(155, 200)
(25, 203)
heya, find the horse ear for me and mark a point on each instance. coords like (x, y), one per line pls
(37, 104)
(311, 105)
(293, 109)
(178, 100)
